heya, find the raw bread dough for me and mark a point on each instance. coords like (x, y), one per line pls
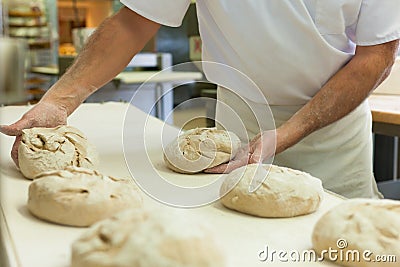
(360, 225)
(198, 149)
(283, 192)
(148, 238)
(80, 197)
(47, 149)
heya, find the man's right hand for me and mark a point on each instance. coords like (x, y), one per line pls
(106, 54)
(42, 114)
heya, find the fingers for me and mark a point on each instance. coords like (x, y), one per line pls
(217, 169)
(262, 147)
(243, 152)
(8, 130)
(228, 167)
(16, 128)
(14, 150)
(255, 150)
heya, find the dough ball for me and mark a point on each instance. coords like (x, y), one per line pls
(47, 149)
(360, 225)
(80, 197)
(283, 192)
(198, 149)
(146, 238)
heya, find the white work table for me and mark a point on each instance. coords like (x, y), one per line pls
(31, 242)
(157, 77)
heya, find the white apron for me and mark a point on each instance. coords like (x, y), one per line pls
(339, 154)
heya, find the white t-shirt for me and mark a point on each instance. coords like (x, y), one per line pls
(288, 48)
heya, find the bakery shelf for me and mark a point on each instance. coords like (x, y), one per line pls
(28, 26)
(39, 45)
(32, 14)
(25, 36)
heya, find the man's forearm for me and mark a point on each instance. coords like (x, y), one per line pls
(347, 89)
(107, 53)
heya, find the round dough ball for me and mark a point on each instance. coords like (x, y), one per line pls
(360, 225)
(198, 149)
(283, 192)
(80, 197)
(146, 238)
(47, 149)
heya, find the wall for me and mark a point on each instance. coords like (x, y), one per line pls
(392, 84)
(1, 19)
(97, 11)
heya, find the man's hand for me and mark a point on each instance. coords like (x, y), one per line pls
(42, 114)
(106, 54)
(341, 94)
(241, 159)
(261, 148)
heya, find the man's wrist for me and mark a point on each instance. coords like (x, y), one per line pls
(66, 95)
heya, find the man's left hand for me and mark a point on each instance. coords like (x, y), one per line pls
(260, 148)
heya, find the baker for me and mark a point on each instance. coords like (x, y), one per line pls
(315, 61)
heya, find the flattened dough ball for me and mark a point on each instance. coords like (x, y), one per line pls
(360, 225)
(198, 149)
(80, 197)
(47, 149)
(283, 192)
(146, 238)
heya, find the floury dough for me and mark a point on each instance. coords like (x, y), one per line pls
(283, 192)
(80, 197)
(148, 238)
(47, 149)
(198, 149)
(361, 225)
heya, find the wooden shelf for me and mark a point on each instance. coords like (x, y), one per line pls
(28, 26)
(35, 81)
(40, 45)
(32, 14)
(36, 91)
(28, 20)
(25, 36)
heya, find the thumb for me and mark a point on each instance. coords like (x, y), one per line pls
(16, 128)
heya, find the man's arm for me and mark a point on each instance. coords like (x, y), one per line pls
(346, 90)
(107, 53)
